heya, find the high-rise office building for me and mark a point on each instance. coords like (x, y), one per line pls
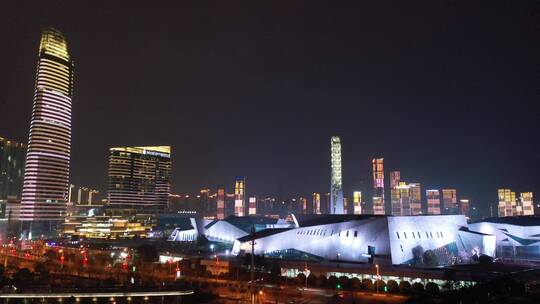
(252, 201)
(316, 203)
(239, 195)
(139, 178)
(357, 202)
(526, 203)
(12, 156)
(450, 204)
(433, 202)
(378, 186)
(46, 176)
(507, 202)
(336, 183)
(220, 202)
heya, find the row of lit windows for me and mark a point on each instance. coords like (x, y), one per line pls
(322, 232)
(417, 234)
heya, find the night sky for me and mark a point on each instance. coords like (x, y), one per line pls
(446, 92)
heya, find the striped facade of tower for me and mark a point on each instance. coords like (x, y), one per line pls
(46, 178)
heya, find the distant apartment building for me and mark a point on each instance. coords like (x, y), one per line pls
(378, 186)
(252, 203)
(12, 155)
(450, 203)
(509, 205)
(464, 207)
(220, 202)
(433, 201)
(527, 203)
(316, 202)
(357, 202)
(239, 196)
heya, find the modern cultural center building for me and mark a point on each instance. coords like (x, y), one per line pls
(413, 240)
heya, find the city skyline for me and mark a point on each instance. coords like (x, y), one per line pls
(280, 170)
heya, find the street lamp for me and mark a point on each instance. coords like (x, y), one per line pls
(378, 277)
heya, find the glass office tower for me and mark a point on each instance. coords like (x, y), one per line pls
(139, 179)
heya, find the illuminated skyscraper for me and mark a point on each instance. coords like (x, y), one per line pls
(433, 202)
(357, 202)
(139, 178)
(46, 177)
(220, 202)
(252, 205)
(239, 195)
(526, 203)
(507, 202)
(336, 183)
(316, 203)
(450, 205)
(12, 156)
(378, 186)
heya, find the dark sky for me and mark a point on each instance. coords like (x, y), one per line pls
(446, 91)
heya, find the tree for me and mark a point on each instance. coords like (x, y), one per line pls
(430, 258)
(379, 285)
(432, 288)
(392, 286)
(147, 253)
(367, 284)
(417, 253)
(23, 277)
(312, 280)
(485, 260)
(355, 283)
(322, 281)
(417, 287)
(333, 282)
(51, 255)
(404, 287)
(344, 281)
(301, 279)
